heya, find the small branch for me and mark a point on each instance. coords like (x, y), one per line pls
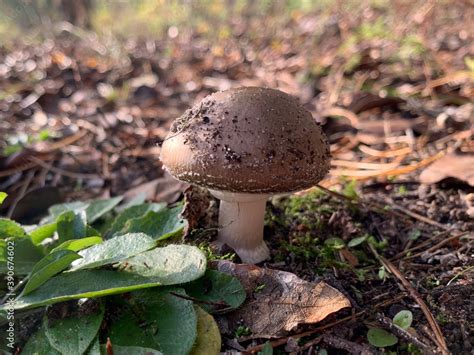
(438, 245)
(349, 346)
(439, 338)
(221, 305)
(62, 171)
(402, 333)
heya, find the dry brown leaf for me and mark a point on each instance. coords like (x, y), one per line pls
(278, 301)
(456, 166)
(164, 189)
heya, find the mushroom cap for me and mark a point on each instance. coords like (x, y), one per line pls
(249, 140)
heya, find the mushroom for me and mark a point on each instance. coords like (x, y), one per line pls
(246, 145)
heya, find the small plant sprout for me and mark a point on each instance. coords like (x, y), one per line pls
(246, 145)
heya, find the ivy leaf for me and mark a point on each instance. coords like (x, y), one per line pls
(39, 344)
(94, 348)
(132, 350)
(381, 338)
(218, 288)
(171, 322)
(174, 317)
(133, 212)
(99, 208)
(98, 283)
(167, 260)
(49, 266)
(113, 250)
(94, 210)
(71, 225)
(73, 335)
(159, 225)
(57, 210)
(403, 319)
(26, 255)
(42, 232)
(268, 350)
(11, 229)
(78, 244)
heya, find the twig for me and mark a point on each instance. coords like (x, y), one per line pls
(221, 305)
(459, 274)
(375, 204)
(418, 216)
(416, 296)
(62, 171)
(438, 245)
(421, 245)
(343, 344)
(21, 193)
(402, 333)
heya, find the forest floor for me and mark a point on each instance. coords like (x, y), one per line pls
(82, 117)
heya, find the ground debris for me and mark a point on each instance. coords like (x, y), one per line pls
(278, 301)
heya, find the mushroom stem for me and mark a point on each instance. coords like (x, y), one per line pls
(241, 224)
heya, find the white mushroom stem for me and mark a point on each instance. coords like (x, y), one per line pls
(241, 224)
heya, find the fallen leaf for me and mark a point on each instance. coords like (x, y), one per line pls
(166, 189)
(278, 301)
(456, 166)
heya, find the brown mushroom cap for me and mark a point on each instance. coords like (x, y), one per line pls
(249, 140)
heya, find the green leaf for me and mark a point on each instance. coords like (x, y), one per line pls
(43, 232)
(382, 274)
(159, 225)
(49, 266)
(26, 255)
(11, 229)
(164, 261)
(168, 322)
(172, 319)
(56, 210)
(97, 209)
(217, 287)
(381, 338)
(208, 340)
(94, 348)
(73, 335)
(71, 225)
(133, 350)
(133, 212)
(113, 250)
(357, 241)
(78, 244)
(3, 196)
(335, 243)
(127, 330)
(403, 319)
(94, 210)
(98, 283)
(268, 350)
(38, 344)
